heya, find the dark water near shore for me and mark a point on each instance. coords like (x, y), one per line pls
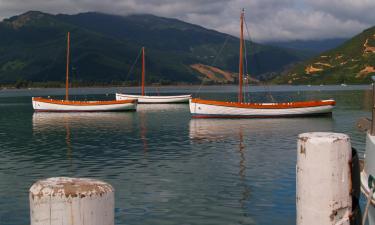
(166, 167)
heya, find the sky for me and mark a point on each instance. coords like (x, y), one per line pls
(267, 20)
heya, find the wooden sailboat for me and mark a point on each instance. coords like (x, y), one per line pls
(200, 108)
(53, 105)
(147, 99)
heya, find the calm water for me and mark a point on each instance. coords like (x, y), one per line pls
(166, 167)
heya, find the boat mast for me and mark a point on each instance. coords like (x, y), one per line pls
(67, 68)
(143, 71)
(240, 77)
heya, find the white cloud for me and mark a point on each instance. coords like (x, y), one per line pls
(268, 20)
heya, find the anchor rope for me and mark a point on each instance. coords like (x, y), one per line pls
(133, 65)
(214, 62)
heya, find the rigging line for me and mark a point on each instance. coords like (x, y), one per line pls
(247, 77)
(213, 63)
(266, 84)
(246, 64)
(134, 63)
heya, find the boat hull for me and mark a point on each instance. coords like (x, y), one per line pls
(155, 99)
(51, 105)
(217, 109)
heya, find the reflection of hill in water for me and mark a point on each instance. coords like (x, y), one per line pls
(219, 129)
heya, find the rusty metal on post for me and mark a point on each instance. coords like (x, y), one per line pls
(71, 201)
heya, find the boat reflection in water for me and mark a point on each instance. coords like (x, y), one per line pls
(259, 151)
(77, 128)
(162, 107)
(147, 113)
(143, 130)
(44, 122)
(218, 129)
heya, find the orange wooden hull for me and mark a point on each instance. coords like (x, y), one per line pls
(220, 109)
(283, 105)
(53, 105)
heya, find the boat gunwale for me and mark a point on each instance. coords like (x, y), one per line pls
(154, 96)
(283, 105)
(231, 116)
(83, 103)
(81, 111)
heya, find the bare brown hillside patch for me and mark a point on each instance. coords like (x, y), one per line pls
(364, 72)
(368, 48)
(317, 67)
(214, 73)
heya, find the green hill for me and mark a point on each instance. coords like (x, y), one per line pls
(352, 62)
(104, 47)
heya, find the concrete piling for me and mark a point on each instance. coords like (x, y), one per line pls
(324, 179)
(71, 201)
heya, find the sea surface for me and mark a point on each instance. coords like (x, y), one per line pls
(166, 167)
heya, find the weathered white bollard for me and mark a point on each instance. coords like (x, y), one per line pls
(324, 179)
(68, 201)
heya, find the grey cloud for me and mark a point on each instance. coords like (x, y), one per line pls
(361, 10)
(268, 20)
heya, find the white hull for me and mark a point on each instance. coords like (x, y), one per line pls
(209, 110)
(155, 99)
(42, 106)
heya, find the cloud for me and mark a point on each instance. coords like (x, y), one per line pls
(268, 20)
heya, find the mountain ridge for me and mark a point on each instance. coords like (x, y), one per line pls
(104, 47)
(352, 62)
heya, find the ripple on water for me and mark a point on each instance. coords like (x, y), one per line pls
(166, 167)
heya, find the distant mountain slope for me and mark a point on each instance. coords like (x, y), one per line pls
(104, 47)
(351, 62)
(313, 47)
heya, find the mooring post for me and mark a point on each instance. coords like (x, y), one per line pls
(71, 201)
(324, 179)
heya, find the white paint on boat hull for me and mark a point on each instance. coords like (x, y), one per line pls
(155, 99)
(206, 110)
(50, 107)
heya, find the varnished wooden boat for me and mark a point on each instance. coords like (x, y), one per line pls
(200, 108)
(54, 105)
(147, 99)
(219, 109)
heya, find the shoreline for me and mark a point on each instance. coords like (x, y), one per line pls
(195, 90)
(180, 85)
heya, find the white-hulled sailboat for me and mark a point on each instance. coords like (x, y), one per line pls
(54, 105)
(147, 99)
(200, 108)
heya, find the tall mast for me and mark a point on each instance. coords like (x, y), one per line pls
(240, 77)
(67, 68)
(143, 71)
